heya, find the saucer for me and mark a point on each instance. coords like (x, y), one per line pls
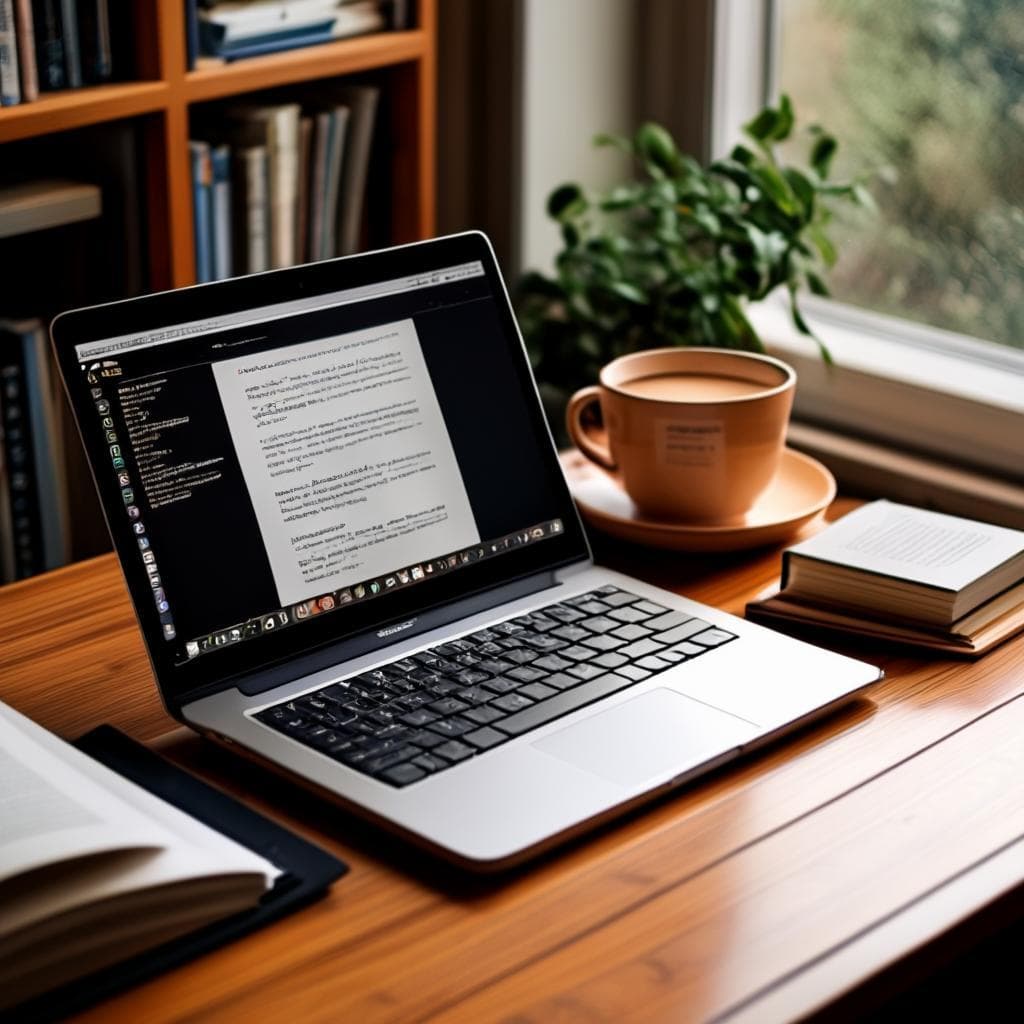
(800, 492)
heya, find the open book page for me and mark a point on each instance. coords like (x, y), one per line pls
(938, 550)
(58, 804)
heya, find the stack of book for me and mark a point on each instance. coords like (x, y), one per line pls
(907, 575)
(231, 29)
(34, 514)
(278, 185)
(53, 44)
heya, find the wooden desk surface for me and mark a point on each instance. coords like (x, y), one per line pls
(760, 893)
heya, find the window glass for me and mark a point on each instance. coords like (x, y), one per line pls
(929, 93)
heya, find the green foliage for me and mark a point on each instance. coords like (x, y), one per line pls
(673, 257)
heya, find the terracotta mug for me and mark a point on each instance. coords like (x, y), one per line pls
(696, 434)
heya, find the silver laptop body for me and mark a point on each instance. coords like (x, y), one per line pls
(598, 748)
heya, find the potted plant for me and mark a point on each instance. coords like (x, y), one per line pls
(675, 256)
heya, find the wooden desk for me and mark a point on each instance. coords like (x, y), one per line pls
(761, 893)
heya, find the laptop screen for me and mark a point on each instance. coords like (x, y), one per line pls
(315, 452)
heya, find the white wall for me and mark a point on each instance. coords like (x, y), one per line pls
(578, 75)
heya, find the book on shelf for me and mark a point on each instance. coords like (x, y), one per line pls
(250, 211)
(95, 869)
(202, 209)
(26, 40)
(10, 75)
(46, 203)
(904, 574)
(234, 29)
(34, 465)
(220, 167)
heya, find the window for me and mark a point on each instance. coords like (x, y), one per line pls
(928, 326)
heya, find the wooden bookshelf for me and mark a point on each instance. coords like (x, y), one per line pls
(159, 105)
(165, 93)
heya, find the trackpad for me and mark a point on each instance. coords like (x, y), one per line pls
(658, 735)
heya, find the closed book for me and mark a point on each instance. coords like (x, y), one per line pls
(49, 44)
(277, 129)
(272, 42)
(318, 167)
(329, 130)
(94, 40)
(72, 49)
(26, 50)
(887, 559)
(231, 20)
(361, 101)
(332, 180)
(26, 524)
(10, 78)
(191, 34)
(202, 213)
(251, 220)
(358, 18)
(305, 162)
(220, 164)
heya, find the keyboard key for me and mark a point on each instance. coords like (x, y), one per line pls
(474, 695)
(668, 621)
(611, 660)
(484, 714)
(632, 632)
(447, 706)
(634, 672)
(563, 703)
(562, 681)
(454, 751)
(578, 653)
(469, 660)
(683, 632)
(403, 774)
(537, 691)
(650, 607)
(405, 666)
(600, 624)
(619, 598)
(545, 642)
(672, 657)
(640, 648)
(484, 739)
(444, 687)
(579, 599)
(425, 739)
(502, 685)
(521, 655)
(628, 614)
(372, 765)
(713, 638)
(542, 624)
(450, 727)
(690, 650)
(525, 674)
(592, 607)
(585, 671)
(571, 633)
(604, 642)
(495, 666)
(418, 718)
(654, 664)
(429, 763)
(470, 676)
(506, 628)
(564, 614)
(551, 663)
(484, 636)
(512, 702)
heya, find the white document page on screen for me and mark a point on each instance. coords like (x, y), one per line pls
(346, 457)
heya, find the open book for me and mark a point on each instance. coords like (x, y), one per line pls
(93, 869)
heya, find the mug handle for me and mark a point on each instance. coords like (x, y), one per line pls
(574, 423)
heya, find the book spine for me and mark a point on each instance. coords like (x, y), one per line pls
(191, 33)
(332, 181)
(303, 194)
(318, 170)
(49, 44)
(284, 173)
(26, 50)
(357, 162)
(72, 49)
(10, 81)
(251, 213)
(94, 40)
(201, 210)
(220, 162)
(25, 525)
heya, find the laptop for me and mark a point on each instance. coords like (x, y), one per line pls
(353, 555)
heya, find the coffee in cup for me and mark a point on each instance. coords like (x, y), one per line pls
(696, 434)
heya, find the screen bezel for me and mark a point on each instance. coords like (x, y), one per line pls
(231, 665)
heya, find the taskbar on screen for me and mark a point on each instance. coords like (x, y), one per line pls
(284, 618)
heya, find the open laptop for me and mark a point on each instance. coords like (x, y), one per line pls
(353, 554)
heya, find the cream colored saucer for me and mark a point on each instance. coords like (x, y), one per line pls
(800, 492)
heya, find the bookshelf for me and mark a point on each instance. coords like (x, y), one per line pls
(165, 93)
(157, 107)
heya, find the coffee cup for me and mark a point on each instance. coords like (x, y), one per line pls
(696, 434)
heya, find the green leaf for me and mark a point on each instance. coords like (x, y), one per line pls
(763, 125)
(823, 244)
(615, 141)
(822, 152)
(775, 186)
(566, 201)
(656, 146)
(786, 120)
(816, 284)
(802, 189)
(627, 291)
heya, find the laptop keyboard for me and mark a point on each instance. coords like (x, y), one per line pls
(419, 715)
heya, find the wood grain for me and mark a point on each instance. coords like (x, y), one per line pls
(680, 911)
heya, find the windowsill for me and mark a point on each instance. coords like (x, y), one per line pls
(968, 412)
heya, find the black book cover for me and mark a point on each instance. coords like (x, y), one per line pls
(49, 44)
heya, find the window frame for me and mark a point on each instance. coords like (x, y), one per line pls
(906, 384)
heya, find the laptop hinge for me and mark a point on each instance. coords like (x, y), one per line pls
(356, 646)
